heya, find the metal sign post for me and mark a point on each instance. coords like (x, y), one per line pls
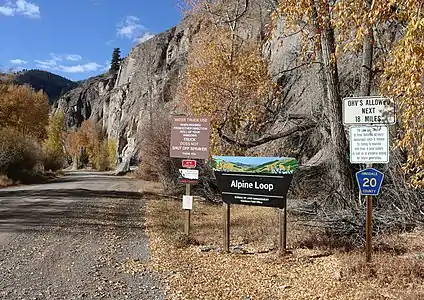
(187, 212)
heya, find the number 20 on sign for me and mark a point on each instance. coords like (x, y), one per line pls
(369, 181)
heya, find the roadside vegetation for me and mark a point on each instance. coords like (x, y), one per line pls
(227, 79)
(32, 142)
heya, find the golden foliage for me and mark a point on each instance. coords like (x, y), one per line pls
(91, 138)
(53, 146)
(228, 81)
(403, 80)
(23, 109)
(403, 65)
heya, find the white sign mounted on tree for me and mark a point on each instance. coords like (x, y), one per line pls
(369, 144)
(368, 110)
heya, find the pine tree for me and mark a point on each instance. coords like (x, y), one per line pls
(116, 59)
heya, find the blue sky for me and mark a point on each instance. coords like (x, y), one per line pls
(75, 38)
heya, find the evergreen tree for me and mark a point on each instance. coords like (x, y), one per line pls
(116, 59)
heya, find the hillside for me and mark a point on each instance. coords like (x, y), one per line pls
(151, 74)
(52, 84)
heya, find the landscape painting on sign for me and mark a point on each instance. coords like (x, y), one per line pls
(258, 165)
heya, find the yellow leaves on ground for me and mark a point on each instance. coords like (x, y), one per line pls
(23, 109)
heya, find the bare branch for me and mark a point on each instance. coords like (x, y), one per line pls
(269, 137)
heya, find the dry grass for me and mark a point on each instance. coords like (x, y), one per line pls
(319, 273)
(5, 182)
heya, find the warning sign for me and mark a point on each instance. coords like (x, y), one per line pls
(190, 137)
(369, 144)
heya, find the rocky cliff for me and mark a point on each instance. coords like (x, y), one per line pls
(152, 71)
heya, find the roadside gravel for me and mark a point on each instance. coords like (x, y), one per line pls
(82, 238)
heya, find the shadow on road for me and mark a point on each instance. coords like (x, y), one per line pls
(72, 210)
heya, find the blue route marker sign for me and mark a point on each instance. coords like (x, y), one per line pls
(369, 181)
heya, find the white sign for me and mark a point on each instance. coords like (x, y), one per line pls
(369, 144)
(368, 110)
(187, 202)
(189, 174)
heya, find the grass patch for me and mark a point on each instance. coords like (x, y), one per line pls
(314, 269)
(5, 181)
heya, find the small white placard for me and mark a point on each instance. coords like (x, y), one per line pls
(369, 144)
(187, 202)
(189, 174)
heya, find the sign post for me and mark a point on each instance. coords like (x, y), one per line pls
(369, 182)
(369, 144)
(258, 181)
(190, 138)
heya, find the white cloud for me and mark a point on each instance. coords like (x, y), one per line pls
(88, 67)
(146, 36)
(7, 11)
(130, 28)
(18, 61)
(46, 64)
(55, 64)
(73, 57)
(20, 7)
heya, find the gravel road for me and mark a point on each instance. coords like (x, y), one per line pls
(79, 237)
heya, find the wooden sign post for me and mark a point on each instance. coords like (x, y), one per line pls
(226, 218)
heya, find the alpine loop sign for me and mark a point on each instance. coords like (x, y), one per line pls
(262, 181)
(368, 110)
(190, 137)
(369, 144)
(254, 189)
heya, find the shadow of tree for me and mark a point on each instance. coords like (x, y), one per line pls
(72, 210)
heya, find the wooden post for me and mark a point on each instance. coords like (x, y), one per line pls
(368, 246)
(282, 245)
(226, 220)
(368, 226)
(187, 213)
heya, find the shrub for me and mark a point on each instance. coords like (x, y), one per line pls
(54, 156)
(156, 164)
(53, 160)
(154, 153)
(19, 154)
(89, 145)
(112, 148)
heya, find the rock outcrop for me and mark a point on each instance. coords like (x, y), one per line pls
(150, 75)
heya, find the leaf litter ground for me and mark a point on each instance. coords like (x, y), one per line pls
(196, 268)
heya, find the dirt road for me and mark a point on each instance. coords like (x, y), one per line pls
(76, 238)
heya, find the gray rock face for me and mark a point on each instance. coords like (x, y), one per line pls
(150, 75)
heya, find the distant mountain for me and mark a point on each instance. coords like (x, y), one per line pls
(53, 85)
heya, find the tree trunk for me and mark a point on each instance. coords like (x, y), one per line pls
(342, 176)
(367, 57)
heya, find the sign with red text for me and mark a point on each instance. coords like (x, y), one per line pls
(190, 137)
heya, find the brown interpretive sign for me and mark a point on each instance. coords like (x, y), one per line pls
(190, 137)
